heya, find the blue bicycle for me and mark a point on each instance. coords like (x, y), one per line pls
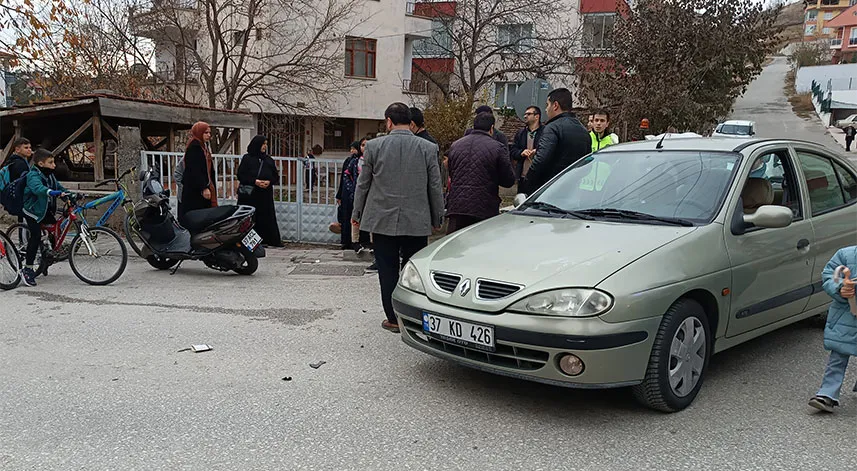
(20, 233)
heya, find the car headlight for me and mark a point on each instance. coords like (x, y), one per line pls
(410, 279)
(570, 302)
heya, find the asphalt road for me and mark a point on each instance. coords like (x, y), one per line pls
(92, 378)
(766, 104)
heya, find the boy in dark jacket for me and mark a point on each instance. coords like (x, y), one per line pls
(18, 162)
(40, 204)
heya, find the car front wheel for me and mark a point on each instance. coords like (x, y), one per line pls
(679, 359)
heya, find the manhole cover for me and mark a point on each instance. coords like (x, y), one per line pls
(329, 270)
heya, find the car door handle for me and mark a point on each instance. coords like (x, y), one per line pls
(802, 244)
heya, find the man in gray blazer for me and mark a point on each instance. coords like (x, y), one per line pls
(399, 199)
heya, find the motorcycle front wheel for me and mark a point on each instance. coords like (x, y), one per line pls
(161, 263)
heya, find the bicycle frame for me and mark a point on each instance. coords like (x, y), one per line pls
(118, 199)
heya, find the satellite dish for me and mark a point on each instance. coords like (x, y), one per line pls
(531, 93)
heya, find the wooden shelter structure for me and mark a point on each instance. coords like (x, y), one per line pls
(94, 119)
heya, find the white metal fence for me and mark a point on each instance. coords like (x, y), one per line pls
(304, 197)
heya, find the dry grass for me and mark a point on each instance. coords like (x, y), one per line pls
(802, 104)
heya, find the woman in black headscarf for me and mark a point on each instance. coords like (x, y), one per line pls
(256, 174)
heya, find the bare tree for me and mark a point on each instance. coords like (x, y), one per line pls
(499, 40)
(274, 54)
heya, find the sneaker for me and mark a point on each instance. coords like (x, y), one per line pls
(372, 268)
(824, 404)
(28, 276)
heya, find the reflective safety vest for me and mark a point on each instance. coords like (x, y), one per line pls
(598, 144)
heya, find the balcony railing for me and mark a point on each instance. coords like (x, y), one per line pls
(416, 87)
(410, 7)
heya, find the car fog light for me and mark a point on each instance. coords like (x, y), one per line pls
(571, 365)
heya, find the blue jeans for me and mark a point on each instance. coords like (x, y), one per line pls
(834, 374)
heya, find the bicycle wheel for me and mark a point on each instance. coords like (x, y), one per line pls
(10, 264)
(20, 236)
(98, 256)
(132, 234)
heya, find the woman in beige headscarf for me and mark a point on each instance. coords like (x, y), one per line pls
(199, 189)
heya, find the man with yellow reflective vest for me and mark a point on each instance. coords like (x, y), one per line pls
(598, 134)
(594, 181)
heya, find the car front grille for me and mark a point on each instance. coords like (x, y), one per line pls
(445, 282)
(492, 290)
(508, 356)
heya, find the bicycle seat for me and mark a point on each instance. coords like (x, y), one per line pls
(199, 219)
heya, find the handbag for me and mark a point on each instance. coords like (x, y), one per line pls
(247, 190)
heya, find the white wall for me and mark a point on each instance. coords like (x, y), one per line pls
(822, 73)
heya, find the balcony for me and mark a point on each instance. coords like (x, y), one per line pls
(415, 87)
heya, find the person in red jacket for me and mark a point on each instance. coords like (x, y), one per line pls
(478, 166)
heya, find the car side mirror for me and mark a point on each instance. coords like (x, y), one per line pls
(770, 217)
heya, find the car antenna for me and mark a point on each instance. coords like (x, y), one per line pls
(661, 142)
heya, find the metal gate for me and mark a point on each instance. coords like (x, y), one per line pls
(304, 198)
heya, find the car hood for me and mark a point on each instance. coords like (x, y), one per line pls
(538, 253)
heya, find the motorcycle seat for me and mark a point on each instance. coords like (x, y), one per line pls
(199, 219)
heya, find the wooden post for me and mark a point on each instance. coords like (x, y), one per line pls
(98, 163)
(171, 139)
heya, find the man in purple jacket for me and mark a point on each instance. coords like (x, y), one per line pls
(478, 166)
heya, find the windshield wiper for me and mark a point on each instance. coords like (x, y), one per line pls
(634, 216)
(553, 209)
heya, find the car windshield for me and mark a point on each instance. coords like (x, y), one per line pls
(737, 129)
(681, 187)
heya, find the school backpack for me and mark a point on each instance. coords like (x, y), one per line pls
(5, 177)
(12, 194)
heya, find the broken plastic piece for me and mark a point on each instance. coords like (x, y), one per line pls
(317, 365)
(200, 348)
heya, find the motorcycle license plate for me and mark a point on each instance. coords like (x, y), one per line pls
(251, 240)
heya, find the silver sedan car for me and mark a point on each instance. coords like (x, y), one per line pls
(636, 264)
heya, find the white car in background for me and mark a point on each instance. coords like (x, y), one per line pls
(735, 128)
(849, 121)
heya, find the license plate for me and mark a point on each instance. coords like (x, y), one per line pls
(476, 336)
(251, 240)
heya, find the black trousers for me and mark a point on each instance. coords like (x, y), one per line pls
(848, 142)
(387, 256)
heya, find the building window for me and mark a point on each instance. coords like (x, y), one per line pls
(360, 57)
(812, 15)
(439, 45)
(598, 30)
(809, 31)
(828, 16)
(338, 134)
(504, 93)
(825, 30)
(517, 38)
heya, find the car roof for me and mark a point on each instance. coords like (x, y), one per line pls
(738, 122)
(709, 144)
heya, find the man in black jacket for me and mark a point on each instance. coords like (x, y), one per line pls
(418, 125)
(563, 142)
(498, 134)
(478, 166)
(523, 148)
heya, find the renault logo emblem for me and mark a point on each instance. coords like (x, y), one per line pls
(465, 288)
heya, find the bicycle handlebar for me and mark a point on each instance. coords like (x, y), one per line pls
(116, 180)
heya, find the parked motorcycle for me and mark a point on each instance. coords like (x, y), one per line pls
(223, 237)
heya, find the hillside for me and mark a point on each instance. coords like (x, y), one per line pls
(792, 19)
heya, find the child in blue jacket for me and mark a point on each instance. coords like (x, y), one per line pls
(840, 333)
(40, 203)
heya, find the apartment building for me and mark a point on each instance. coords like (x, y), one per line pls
(819, 13)
(844, 42)
(376, 70)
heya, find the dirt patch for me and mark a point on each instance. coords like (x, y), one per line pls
(802, 104)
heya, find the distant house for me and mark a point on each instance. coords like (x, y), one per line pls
(845, 43)
(819, 14)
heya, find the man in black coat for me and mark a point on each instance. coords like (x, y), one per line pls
(850, 132)
(418, 125)
(478, 166)
(523, 148)
(563, 142)
(498, 134)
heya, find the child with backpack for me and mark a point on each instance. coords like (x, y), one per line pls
(14, 168)
(40, 204)
(840, 333)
